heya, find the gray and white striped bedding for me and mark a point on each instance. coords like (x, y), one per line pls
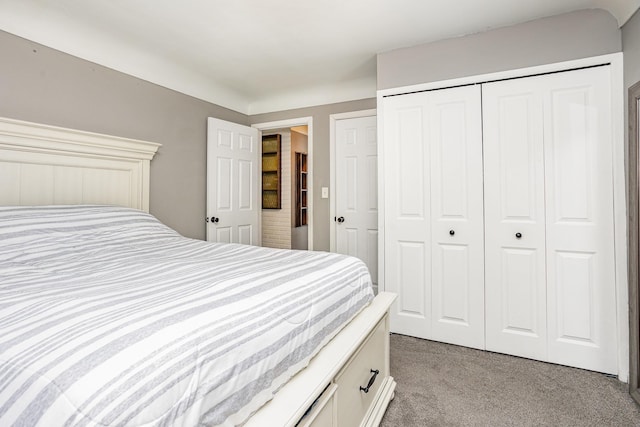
(108, 317)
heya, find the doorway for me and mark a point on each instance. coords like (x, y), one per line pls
(633, 198)
(283, 227)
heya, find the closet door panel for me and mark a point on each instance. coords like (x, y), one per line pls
(407, 216)
(519, 291)
(514, 220)
(457, 280)
(580, 251)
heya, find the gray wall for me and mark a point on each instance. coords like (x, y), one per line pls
(558, 38)
(320, 156)
(43, 85)
(631, 49)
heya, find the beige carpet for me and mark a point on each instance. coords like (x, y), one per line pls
(446, 385)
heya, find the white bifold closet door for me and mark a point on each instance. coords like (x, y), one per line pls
(433, 214)
(516, 305)
(550, 275)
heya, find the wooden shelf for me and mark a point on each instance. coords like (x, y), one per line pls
(301, 189)
(271, 159)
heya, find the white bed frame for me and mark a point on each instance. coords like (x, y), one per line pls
(45, 165)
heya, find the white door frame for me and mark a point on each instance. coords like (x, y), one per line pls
(332, 166)
(287, 123)
(615, 60)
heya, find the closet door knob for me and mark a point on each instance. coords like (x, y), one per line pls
(518, 235)
(451, 232)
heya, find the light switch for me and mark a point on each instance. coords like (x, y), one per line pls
(325, 192)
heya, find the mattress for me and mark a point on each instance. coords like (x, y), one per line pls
(108, 317)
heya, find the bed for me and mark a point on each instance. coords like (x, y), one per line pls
(108, 317)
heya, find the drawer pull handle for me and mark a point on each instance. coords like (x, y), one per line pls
(371, 381)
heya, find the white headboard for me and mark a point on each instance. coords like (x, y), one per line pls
(48, 165)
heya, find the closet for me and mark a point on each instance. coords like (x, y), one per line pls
(499, 216)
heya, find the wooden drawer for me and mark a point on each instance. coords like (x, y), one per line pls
(353, 403)
(324, 412)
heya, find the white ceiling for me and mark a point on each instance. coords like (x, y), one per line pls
(256, 56)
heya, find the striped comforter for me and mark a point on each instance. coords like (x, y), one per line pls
(108, 317)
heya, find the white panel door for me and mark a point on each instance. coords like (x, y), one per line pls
(457, 252)
(433, 214)
(357, 190)
(514, 219)
(232, 183)
(407, 219)
(579, 194)
(550, 278)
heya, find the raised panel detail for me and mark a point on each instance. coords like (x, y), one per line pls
(451, 289)
(225, 139)
(519, 284)
(372, 250)
(246, 143)
(372, 184)
(451, 144)
(245, 184)
(223, 184)
(223, 234)
(411, 279)
(575, 304)
(410, 168)
(371, 137)
(245, 233)
(572, 160)
(517, 140)
(350, 136)
(352, 241)
(351, 183)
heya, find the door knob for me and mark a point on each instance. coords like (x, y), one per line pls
(341, 219)
(518, 235)
(213, 219)
(451, 232)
